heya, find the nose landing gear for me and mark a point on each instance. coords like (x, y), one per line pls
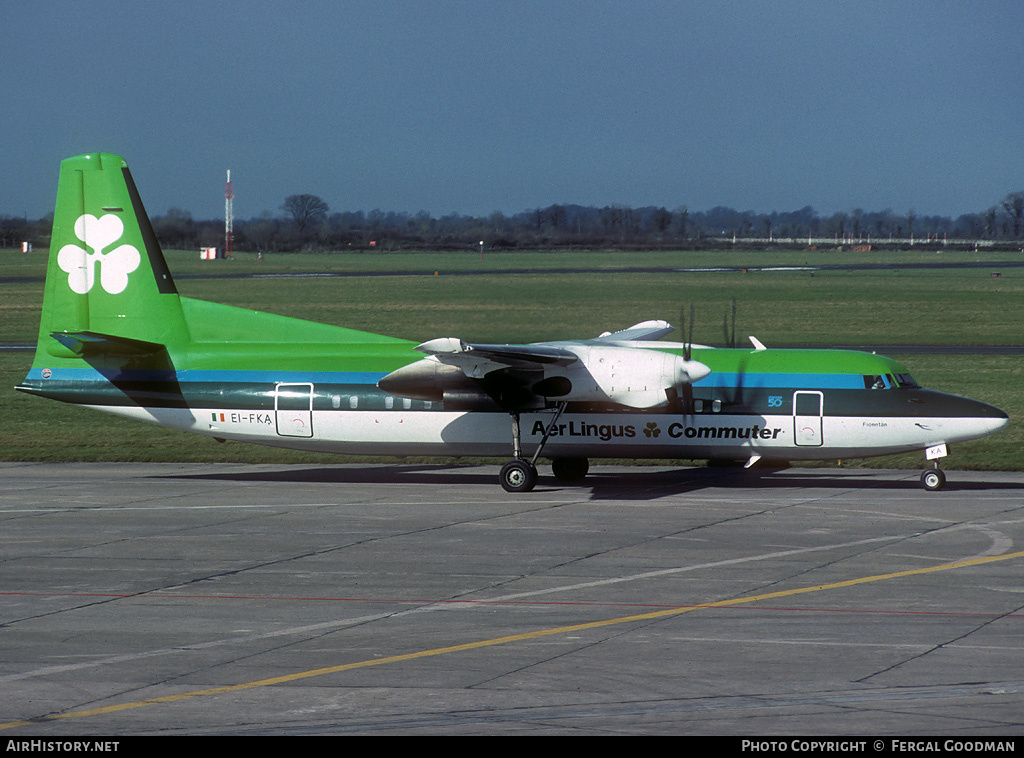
(933, 479)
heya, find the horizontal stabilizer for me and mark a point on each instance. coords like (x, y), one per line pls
(94, 343)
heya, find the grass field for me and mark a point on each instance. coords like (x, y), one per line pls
(16, 263)
(885, 307)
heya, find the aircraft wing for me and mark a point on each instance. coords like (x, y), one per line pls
(619, 367)
(477, 360)
(643, 332)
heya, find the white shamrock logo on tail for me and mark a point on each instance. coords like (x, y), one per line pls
(80, 265)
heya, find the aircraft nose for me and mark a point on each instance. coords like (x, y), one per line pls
(977, 419)
(996, 417)
(984, 410)
(992, 424)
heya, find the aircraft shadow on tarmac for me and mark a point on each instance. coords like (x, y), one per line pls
(641, 484)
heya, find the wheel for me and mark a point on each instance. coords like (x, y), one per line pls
(933, 479)
(570, 469)
(518, 476)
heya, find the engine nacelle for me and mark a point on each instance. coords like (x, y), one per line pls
(638, 378)
(427, 379)
(430, 379)
(631, 376)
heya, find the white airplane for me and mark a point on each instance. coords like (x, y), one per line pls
(116, 336)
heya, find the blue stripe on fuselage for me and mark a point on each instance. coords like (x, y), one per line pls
(751, 380)
(754, 380)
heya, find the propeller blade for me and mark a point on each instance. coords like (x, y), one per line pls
(686, 330)
(729, 328)
(689, 335)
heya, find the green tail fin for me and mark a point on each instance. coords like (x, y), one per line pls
(106, 276)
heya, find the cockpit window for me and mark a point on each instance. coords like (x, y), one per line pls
(906, 380)
(874, 382)
(889, 381)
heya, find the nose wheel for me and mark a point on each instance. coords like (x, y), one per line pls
(933, 479)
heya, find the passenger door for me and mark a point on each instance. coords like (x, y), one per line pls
(807, 413)
(293, 407)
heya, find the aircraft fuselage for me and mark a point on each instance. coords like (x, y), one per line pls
(116, 336)
(804, 415)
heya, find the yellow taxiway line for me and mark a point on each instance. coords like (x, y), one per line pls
(298, 676)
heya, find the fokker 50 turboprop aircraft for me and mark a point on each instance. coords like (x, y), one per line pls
(116, 336)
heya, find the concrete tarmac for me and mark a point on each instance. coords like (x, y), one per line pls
(152, 599)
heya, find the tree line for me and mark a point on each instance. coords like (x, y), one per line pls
(306, 222)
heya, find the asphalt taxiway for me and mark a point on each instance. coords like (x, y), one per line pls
(145, 599)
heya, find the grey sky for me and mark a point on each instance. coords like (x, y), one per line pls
(472, 107)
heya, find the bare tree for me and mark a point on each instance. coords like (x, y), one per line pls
(990, 221)
(306, 210)
(1013, 204)
(661, 219)
(683, 214)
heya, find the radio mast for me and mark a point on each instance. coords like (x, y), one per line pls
(229, 217)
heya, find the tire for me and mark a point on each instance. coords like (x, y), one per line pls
(570, 469)
(518, 476)
(933, 479)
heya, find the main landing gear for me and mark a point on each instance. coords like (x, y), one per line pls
(520, 475)
(570, 469)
